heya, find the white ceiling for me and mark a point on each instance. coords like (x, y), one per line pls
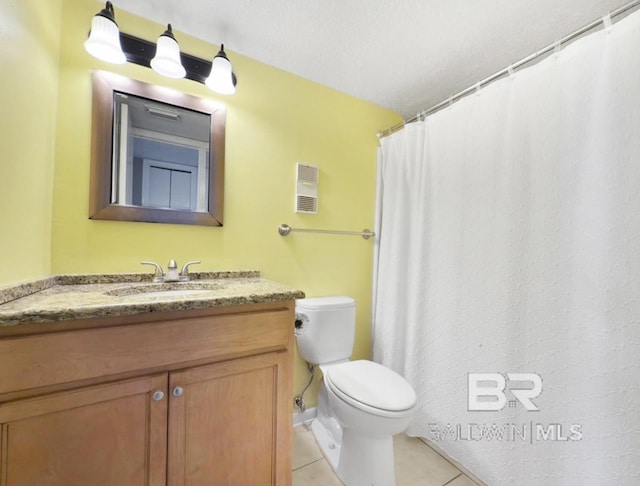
(405, 55)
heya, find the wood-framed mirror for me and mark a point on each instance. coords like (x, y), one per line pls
(157, 155)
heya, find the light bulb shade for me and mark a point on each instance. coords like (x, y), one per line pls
(221, 80)
(104, 39)
(167, 59)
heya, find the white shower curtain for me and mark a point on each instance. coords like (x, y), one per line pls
(509, 242)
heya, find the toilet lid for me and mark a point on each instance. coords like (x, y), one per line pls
(371, 384)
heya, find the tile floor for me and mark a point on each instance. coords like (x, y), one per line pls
(416, 464)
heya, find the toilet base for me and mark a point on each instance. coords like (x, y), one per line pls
(361, 460)
(366, 460)
(328, 446)
(326, 430)
(357, 459)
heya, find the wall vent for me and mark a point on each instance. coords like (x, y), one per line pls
(306, 189)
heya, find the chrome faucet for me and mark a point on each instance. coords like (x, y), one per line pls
(172, 274)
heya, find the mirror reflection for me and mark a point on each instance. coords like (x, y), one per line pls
(162, 156)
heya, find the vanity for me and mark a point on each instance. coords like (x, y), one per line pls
(104, 385)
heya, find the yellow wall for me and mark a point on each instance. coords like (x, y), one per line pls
(273, 121)
(29, 35)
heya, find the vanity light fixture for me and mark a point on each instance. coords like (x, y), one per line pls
(108, 44)
(221, 80)
(104, 37)
(167, 59)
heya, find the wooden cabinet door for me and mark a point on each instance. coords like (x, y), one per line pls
(223, 424)
(112, 434)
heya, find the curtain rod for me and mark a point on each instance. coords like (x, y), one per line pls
(604, 21)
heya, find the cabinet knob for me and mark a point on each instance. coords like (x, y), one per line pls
(177, 391)
(158, 395)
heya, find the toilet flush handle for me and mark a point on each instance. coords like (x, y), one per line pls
(299, 323)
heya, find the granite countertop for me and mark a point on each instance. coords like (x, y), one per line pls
(66, 297)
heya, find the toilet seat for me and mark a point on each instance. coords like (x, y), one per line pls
(371, 387)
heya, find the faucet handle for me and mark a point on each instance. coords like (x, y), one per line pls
(184, 273)
(158, 275)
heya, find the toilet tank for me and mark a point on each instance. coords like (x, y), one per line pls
(325, 328)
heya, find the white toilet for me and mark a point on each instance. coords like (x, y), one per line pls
(361, 404)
